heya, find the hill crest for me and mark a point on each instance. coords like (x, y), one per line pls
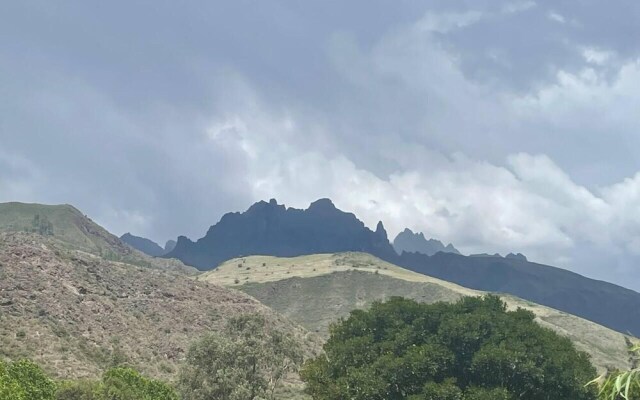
(72, 229)
(317, 289)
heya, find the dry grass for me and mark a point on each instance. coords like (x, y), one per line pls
(318, 289)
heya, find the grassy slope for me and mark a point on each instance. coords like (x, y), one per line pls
(318, 289)
(76, 314)
(74, 230)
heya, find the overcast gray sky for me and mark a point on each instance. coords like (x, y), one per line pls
(496, 125)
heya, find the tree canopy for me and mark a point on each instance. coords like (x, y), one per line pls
(470, 350)
(248, 363)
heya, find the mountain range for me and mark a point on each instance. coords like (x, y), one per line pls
(77, 299)
(269, 228)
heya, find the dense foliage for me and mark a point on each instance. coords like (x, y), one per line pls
(25, 380)
(471, 350)
(247, 363)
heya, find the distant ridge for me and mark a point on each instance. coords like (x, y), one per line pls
(169, 246)
(269, 228)
(146, 246)
(417, 243)
(272, 229)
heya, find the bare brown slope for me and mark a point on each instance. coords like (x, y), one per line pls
(318, 289)
(76, 313)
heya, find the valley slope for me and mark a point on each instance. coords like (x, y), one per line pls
(316, 290)
(77, 314)
(77, 300)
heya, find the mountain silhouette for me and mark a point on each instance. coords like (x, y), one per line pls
(146, 246)
(269, 228)
(417, 243)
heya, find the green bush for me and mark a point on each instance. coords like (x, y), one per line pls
(470, 350)
(25, 380)
(9, 387)
(127, 384)
(77, 390)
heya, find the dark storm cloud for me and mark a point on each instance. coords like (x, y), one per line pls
(157, 118)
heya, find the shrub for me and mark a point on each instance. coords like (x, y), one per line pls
(78, 390)
(9, 387)
(129, 384)
(33, 383)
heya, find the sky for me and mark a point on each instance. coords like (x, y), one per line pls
(499, 126)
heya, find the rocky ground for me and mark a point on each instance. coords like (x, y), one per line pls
(76, 313)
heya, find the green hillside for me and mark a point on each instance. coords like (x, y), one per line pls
(75, 231)
(318, 289)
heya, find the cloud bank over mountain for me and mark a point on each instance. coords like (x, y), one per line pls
(500, 126)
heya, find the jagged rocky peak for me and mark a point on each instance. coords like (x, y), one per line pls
(263, 206)
(517, 256)
(380, 231)
(268, 228)
(410, 242)
(322, 205)
(170, 245)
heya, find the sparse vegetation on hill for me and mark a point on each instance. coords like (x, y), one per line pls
(77, 314)
(318, 289)
(473, 349)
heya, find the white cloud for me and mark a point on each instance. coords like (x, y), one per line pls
(518, 7)
(447, 22)
(554, 16)
(596, 56)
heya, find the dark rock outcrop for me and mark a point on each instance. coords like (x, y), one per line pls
(417, 243)
(269, 228)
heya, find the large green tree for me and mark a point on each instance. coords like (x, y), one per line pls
(246, 363)
(473, 350)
